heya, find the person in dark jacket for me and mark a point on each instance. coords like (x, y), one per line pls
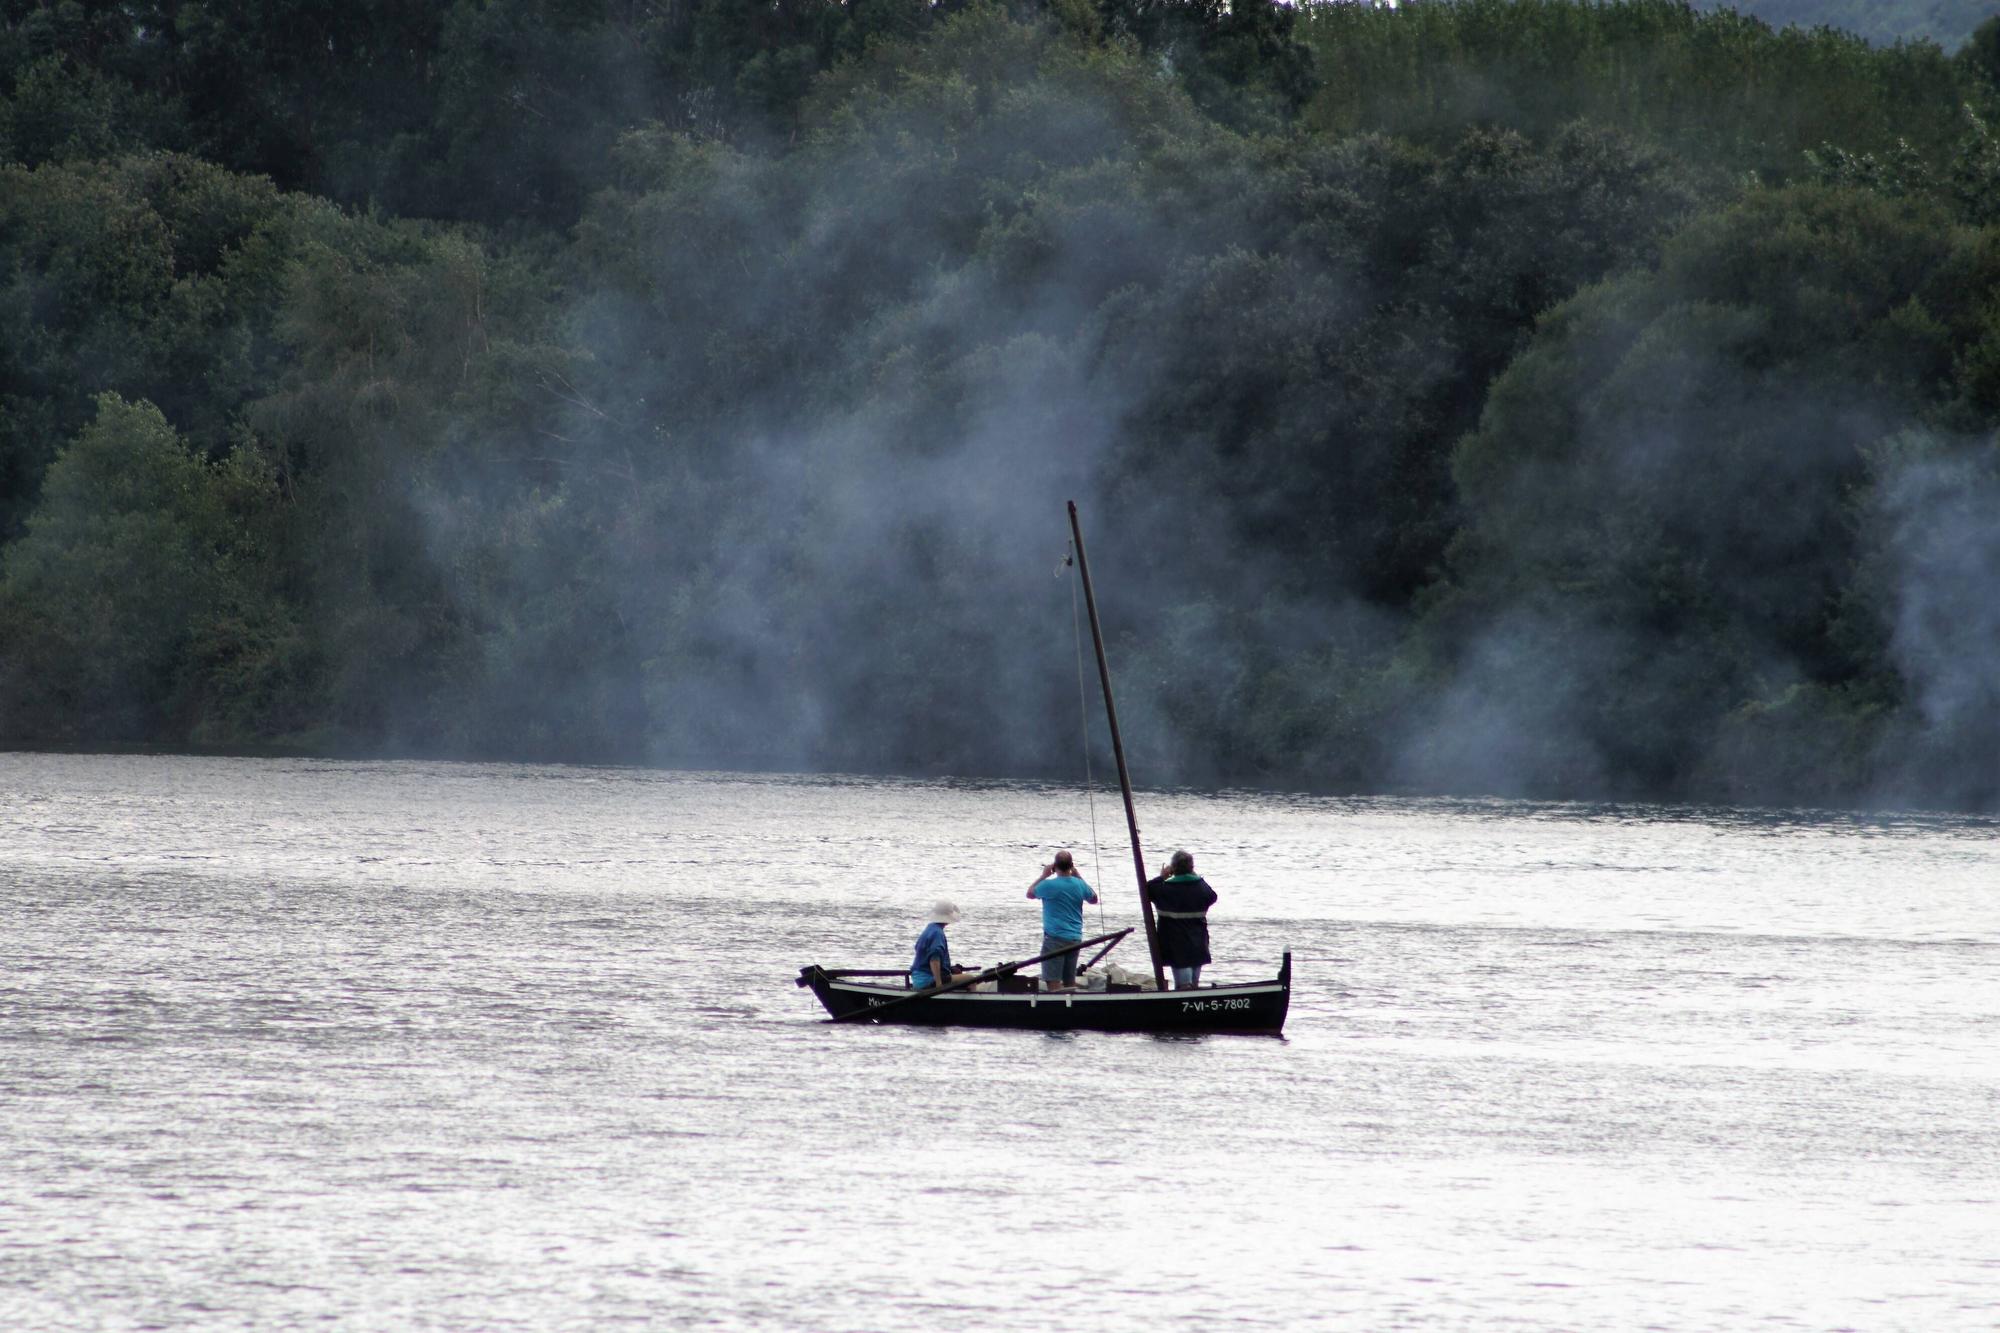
(1181, 900)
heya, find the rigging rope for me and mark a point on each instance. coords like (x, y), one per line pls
(1083, 711)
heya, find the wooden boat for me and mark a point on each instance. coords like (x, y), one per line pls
(1248, 1008)
(1255, 1008)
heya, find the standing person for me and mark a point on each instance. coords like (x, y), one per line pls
(932, 965)
(1181, 900)
(1062, 895)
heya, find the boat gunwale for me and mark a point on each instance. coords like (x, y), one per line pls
(1270, 987)
(1244, 1008)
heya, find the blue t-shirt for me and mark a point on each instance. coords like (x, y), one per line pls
(1062, 898)
(931, 944)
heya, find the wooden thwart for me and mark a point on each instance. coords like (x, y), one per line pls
(974, 978)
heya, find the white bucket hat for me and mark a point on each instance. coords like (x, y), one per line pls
(944, 913)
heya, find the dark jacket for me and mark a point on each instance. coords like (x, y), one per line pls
(1181, 903)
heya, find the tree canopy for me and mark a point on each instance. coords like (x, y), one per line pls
(1946, 22)
(1540, 397)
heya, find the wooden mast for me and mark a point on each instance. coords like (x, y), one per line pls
(1117, 750)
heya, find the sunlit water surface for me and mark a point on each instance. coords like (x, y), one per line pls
(488, 1047)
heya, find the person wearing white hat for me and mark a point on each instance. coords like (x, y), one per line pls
(932, 965)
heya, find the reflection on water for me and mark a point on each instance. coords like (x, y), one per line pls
(490, 1047)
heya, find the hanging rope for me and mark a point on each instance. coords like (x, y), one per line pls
(1083, 711)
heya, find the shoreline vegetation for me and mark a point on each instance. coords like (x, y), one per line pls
(1881, 815)
(1504, 397)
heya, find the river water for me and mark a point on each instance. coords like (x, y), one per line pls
(386, 1046)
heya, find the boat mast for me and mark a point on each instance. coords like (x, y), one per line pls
(1117, 749)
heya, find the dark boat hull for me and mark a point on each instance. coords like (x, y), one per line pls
(1255, 1008)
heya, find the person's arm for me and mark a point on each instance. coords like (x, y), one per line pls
(1046, 872)
(1089, 894)
(937, 971)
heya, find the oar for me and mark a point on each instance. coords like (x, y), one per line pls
(974, 978)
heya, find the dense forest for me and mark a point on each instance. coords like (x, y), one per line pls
(1946, 22)
(1538, 397)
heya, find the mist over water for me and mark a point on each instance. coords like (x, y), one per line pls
(492, 1046)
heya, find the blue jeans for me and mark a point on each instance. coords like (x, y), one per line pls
(1061, 969)
(1186, 977)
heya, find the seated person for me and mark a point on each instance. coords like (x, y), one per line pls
(932, 965)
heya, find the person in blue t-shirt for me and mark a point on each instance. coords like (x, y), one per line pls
(932, 965)
(1062, 896)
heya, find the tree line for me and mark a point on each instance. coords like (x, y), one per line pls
(1538, 397)
(1947, 22)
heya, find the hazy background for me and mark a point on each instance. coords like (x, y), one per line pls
(1539, 397)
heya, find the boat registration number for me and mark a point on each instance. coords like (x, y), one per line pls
(1207, 1006)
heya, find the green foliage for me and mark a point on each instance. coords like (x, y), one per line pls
(397, 374)
(1981, 53)
(152, 277)
(1946, 22)
(140, 599)
(1665, 486)
(1245, 63)
(1967, 182)
(509, 110)
(1461, 404)
(1723, 89)
(1329, 378)
(1292, 334)
(58, 111)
